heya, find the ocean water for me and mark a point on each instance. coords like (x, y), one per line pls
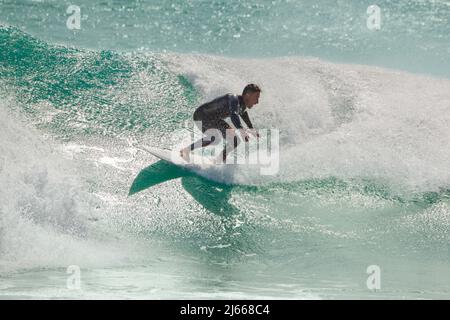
(360, 206)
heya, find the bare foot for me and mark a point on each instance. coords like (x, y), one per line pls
(184, 153)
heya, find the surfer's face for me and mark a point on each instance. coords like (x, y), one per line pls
(252, 99)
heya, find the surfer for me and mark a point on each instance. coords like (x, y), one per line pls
(211, 115)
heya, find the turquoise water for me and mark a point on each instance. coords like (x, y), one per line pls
(364, 150)
(414, 34)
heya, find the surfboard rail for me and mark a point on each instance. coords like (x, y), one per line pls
(173, 156)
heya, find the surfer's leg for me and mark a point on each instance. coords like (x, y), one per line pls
(184, 153)
(209, 138)
(230, 146)
(232, 140)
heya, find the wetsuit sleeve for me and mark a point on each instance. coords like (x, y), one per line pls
(246, 119)
(234, 112)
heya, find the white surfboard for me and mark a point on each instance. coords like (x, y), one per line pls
(173, 156)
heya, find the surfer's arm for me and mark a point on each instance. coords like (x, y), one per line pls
(250, 129)
(234, 112)
(246, 119)
(233, 104)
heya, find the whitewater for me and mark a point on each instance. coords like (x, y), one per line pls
(363, 180)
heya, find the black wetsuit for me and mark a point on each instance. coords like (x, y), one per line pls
(213, 113)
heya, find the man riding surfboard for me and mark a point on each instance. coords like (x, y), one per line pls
(211, 115)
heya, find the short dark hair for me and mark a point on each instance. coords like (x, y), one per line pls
(251, 88)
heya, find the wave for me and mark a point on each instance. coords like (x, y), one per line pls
(76, 91)
(363, 174)
(47, 218)
(342, 121)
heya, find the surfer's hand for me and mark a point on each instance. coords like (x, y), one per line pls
(244, 135)
(254, 132)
